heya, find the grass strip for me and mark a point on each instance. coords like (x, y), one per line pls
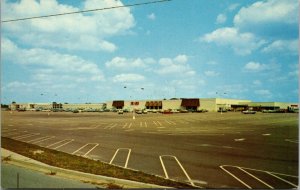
(78, 163)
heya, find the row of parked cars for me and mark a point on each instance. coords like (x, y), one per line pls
(169, 111)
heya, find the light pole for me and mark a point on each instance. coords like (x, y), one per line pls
(221, 97)
(133, 112)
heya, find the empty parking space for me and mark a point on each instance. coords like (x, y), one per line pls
(253, 178)
(121, 157)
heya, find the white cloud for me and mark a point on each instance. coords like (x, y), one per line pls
(257, 82)
(241, 43)
(129, 64)
(177, 65)
(212, 63)
(51, 64)
(282, 46)
(254, 66)
(263, 92)
(234, 6)
(221, 18)
(211, 73)
(295, 71)
(130, 77)
(151, 16)
(73, 32)
(283, 11)
(259, 67)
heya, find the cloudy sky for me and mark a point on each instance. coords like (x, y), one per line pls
(180, 48)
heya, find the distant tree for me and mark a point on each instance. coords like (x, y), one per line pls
(4, 106)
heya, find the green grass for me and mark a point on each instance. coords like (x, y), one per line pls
(78, 163)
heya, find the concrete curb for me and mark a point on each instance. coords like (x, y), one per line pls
(22, 161)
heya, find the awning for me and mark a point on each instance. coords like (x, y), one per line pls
(118, 103)
(190, 102)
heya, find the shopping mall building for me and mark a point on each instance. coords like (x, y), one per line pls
(210, 104)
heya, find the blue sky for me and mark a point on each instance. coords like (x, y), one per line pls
(181, 48)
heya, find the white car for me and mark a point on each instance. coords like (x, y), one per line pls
(120, 112)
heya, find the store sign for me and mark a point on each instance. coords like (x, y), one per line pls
(134, 103)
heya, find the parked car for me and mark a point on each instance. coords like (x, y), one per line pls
(145, 111)
(120, 112)
(249, 112)
(139, 111)
(183, 111)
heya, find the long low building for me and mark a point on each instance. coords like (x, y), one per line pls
(210, 104)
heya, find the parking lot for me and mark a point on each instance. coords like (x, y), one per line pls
(228, 150)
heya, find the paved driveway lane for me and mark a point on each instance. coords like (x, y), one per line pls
(32, 179)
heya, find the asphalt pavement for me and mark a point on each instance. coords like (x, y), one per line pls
(204, 149)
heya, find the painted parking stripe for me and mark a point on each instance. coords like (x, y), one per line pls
(167, 121)
(235, 177)
(146, 124)
(172, 122)
(49, 137)
(182, 168)
(283, 179)
(95, 145)
(141, 124)
(65, 142)
(124, 126)
(292, 141)
(12, 133)
(26, 136)
(159, 123)
(40, 138)
(154, 123)
(256, 178)
(110, 126)
(127, 159)
(129, 125)
(274, 174)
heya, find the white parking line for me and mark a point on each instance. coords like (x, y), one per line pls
(154, 123)
(40, 138)
(282, 179)
(141, 124)
(172, 122)
(26, 136)
(124, 126)
(159, 123)
(129, 125)
(146, 124)
(127, 159)
(256, 178)
(249, 187)
(110, 126)
(65, 140)
(50, 137)
(166, 174)
(96, 144)
(167, 121)
(292, 141)
(267, 134)
(274, 174)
